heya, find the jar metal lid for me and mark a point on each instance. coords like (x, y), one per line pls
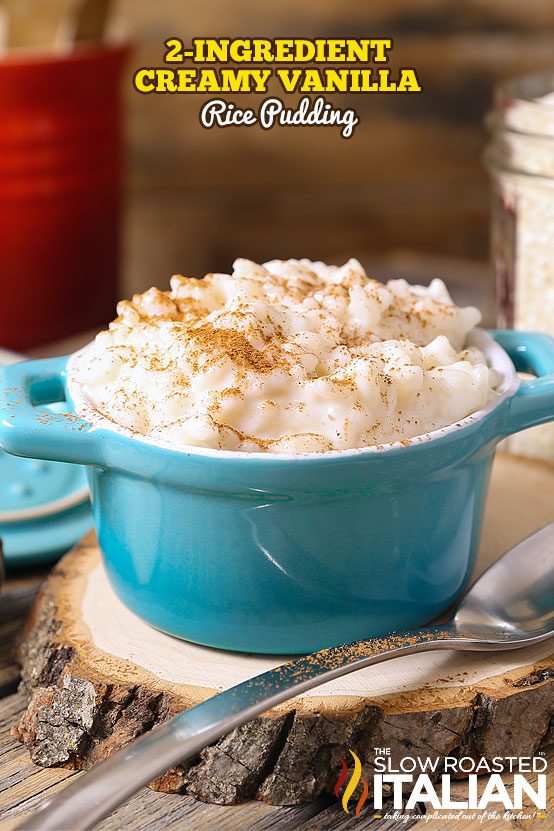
(522, 127)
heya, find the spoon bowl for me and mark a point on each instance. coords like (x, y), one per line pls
(514, 599)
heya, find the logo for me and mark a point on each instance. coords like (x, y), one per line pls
(355, 780)
(514, 789)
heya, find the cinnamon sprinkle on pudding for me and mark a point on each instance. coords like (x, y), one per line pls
(289, 357)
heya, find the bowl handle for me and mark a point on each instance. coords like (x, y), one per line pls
(533, 402)
(28, 430)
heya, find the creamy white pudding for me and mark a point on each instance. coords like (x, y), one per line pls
(288, 357)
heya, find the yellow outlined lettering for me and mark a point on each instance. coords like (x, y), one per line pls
(140, 78)
(174, 53)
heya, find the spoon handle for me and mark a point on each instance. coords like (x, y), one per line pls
(87, 800)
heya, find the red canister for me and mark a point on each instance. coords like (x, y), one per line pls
(60, 185)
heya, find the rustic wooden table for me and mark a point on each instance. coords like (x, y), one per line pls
(24, 787)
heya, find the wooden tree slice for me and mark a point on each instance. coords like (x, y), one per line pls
(97, 676)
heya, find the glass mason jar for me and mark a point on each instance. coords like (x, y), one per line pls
(520, 159)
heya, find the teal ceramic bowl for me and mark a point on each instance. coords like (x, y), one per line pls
(283, 554)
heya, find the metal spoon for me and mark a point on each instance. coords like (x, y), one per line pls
(510, 606)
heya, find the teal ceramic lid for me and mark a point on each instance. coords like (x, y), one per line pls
(31, 489)
(44, 506)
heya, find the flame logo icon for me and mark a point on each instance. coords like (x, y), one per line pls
(355, 780)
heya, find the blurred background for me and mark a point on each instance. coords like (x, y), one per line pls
(408, 194)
